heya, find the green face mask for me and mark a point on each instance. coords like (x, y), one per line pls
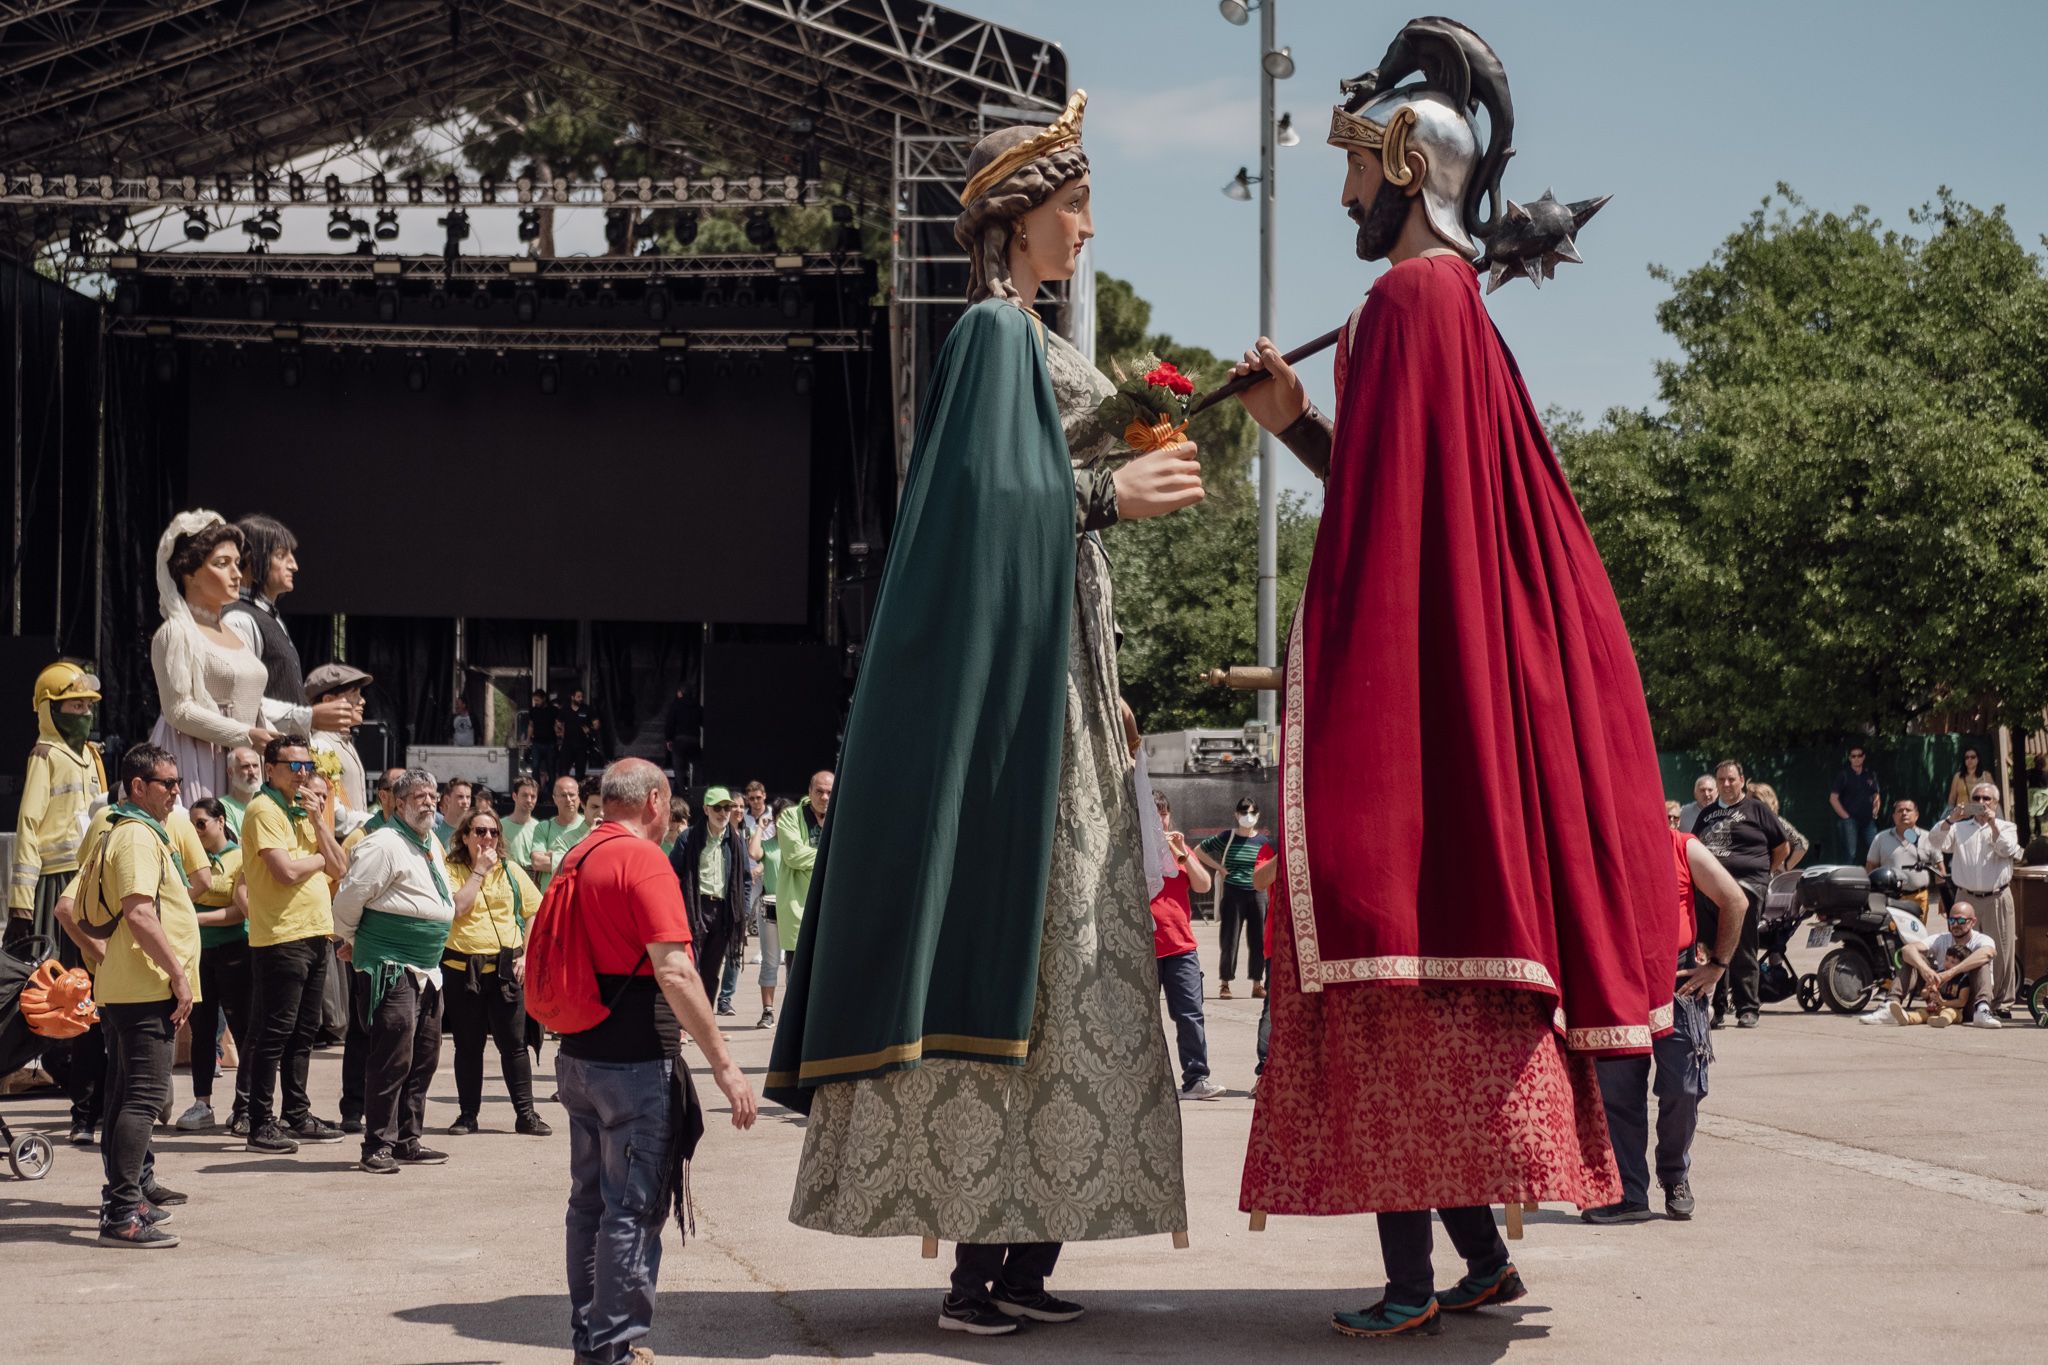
(74, 729)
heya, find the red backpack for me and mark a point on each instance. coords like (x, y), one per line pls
(561, 968)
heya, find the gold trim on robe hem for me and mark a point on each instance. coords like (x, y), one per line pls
(949, 1043)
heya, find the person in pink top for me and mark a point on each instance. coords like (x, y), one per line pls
(1180, 965)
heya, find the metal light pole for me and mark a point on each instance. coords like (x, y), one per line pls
(1269, 475)
(1276, 63)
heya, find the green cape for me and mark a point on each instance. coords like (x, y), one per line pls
(920, 935)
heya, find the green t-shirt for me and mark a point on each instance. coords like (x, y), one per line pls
(518, 841)
(1238, 854)
(556, 839)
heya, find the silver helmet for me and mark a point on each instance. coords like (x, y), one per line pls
(1435, 116)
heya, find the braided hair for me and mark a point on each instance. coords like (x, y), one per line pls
(983, 228)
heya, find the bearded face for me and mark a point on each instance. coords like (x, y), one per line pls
(1379, 226)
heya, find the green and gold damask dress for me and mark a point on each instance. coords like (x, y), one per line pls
(973, 1021)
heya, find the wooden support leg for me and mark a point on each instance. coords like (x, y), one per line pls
(930, 1250)
(1514, 1222)
(1180, 1240)
(1258, 1220)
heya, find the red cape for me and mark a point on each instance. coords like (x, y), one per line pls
(1470, 790)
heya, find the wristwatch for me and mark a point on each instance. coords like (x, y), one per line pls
(1718, 962)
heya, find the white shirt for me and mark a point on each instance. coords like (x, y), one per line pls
(1910, 856)
(1938, 946)
(389, 873)
(1980, 856)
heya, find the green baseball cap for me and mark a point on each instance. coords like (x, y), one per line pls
(717, 796)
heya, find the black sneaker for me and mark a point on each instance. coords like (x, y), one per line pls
(1747, 1019)
(977, 1316)
(272, 1137)
(380, 1162)
(354, 1125)
(726, 1011)
(413, 1154)
(312, 1130)
(238, 1126)
(463, 1126)
(1039, 1307)
(138, 1232)
(81, 1135)
(533, 1125)
(1623, 1212)
(160, 1194)
(156, 1215)
(1678, 1200)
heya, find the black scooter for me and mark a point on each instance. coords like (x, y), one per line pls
(1866, 917)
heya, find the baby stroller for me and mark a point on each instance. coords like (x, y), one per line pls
(1780, 915)
(31, 1153)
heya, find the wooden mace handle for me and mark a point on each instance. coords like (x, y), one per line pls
(1244, 678)
(1245, 381)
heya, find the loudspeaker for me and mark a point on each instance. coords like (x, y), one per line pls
(21, 658)
(373, 746)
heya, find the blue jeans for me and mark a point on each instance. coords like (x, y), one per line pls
(1857, 832)
(1681, 1056)
(618, 1140)
(1180, 977)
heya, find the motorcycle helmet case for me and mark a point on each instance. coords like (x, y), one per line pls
(1836, 888)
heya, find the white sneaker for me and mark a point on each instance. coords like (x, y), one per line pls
(1881, 1015)
(1897, 1012)
(1204, 1089)
(197, 1119)
(1984, 1018)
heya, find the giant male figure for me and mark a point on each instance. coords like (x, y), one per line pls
(1448, 965)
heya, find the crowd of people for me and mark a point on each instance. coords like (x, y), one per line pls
(1960, 867)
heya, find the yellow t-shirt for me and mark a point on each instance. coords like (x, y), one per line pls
(138, 864)
(184, 842)
(277, 913)
(490, 923)
(222, 892)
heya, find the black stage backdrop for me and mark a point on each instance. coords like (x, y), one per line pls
(478, 496)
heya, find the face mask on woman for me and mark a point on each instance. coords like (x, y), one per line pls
(1247, 822)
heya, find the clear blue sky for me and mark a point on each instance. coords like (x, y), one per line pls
(1688, 114)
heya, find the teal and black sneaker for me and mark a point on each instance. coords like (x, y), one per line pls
(1477, 1291)
(1385, 1319)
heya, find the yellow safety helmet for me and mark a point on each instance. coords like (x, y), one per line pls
(65, 682)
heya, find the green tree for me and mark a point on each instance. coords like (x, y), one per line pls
(1187, 584)
(1839, 523)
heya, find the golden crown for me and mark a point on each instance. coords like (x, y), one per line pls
(1062, 133)
(1349, 130)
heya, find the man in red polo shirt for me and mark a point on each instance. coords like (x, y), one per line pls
(1180, 965)
(615, 1078)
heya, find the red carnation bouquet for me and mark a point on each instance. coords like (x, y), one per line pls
(1156, 402)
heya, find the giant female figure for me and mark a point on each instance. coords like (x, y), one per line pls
(972, 1022)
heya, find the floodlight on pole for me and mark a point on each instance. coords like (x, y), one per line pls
(1236, 11)
(1240, 186)
(1285, 134)
(1278, 63)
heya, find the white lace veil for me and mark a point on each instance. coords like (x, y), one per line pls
(170, 595)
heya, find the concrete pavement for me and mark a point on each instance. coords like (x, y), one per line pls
(1864, 1193)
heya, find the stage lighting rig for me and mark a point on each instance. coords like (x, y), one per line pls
(607, 297)
(789, 293)
(116, 225)
(257, 299)
(416, 371)
(687, 221)
(743, 296)
(289, 367)
(295, 188)
(847, 234)
(529, 225)
(713, 296)
(618, 229)
(526, 303)
(340, 228)
(387, 303)
(657, 303)
(332, 185)
(550, 373)
(197, 229)
(760, 229)
(415, 189)
(380, 188)
(387, 225)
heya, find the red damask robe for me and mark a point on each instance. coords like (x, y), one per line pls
(1447, 964)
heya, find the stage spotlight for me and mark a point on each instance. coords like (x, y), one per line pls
(367, 361)
(529, 225)
(415, 189)
(181, 294)
(713, 296)
(288, 367)
(721, 368)
(340, 228)
(526, 303)
(116, 225)
(332, 184)
(451, 188)
(623, 367)
(460, 369)
(578, 296)
(380, 188)
(591, 369)
(550, 373)
(606, 295)
(438, 299)
(618, 229)
(387, 304)
(743, 297)
(802, 376)
(197, 229)
(686, 225)
(753, 369)
(760, 229)
(657, 303)
(166, 361)
(268, 226)
(387, 225)
(499, 367)
(480, 298)
(675, 376)
(416, 371)
(487, 189)
(789, 297)
(847, 236)
(295, 187)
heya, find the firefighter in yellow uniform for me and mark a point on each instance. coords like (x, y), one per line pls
(66, 782)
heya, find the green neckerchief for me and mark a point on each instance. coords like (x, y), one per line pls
(376, 822)
(284, 803)
(440, 882)
(386, 944)
(128, 810)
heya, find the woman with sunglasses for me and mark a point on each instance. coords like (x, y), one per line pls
(484, 969)
(223, 908)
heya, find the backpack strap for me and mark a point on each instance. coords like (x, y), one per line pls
(576, 898)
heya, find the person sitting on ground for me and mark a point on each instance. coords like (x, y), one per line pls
(1960, 987)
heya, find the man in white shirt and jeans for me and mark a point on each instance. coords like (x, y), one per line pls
(1981, 850)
